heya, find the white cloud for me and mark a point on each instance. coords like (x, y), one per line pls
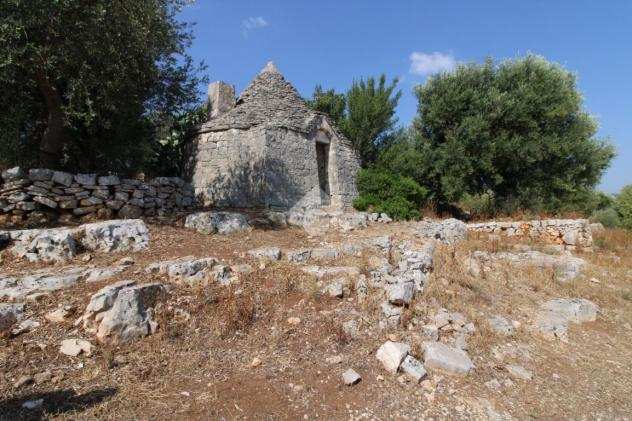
(252, 23)
(425, 64)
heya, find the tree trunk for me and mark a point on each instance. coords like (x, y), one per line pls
(55, 136)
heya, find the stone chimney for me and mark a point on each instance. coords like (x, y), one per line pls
(222, 98)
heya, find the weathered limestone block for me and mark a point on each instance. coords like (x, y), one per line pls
(124, 311)
(565, 266)
(115, 236)
(217, 222)
(448, 231)
(188, 270)
(554, 316)
(50, 245)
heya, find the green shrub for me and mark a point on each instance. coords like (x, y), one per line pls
(623, 205)
(365, 202)
(608, 217)
(398, 208)
(380, 191)
(478, 205)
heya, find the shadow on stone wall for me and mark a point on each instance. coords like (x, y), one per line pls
(262, 183)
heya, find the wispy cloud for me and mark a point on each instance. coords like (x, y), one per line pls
(252, 23)
(425, 64)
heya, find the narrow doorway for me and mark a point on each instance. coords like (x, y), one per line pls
(322, 159)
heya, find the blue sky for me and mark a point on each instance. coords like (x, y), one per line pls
(332, 42)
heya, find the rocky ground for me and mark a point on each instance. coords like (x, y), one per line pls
(275, 323)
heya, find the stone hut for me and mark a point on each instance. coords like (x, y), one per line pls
(268, 149)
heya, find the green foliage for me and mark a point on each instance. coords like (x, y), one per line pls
(365, 113)
(608, 217)
(84, 84)
(380, 191)
(173, 136)
(478, 205)
(330, 103)
(623, 206)
(516, 129)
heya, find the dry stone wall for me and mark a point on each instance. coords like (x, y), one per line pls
(569, 233)
(38, 196)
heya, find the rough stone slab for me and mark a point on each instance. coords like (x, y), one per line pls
(189, 270)
(266, 253)
(501, 326)
(519, 372)
(565, 266)
(130, 316)
(74, 347)
(13, 174)
(391, 354)
(401, 293)
(115, 236)
(413, 368)
(321, 271)
(40, 174)
(448, 231)
(443, 357)
(298, 256)
(217, 222)
(554, 316)
(350, 377)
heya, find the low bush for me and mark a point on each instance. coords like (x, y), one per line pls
(380, 191)
(623, 206)
(608, 217)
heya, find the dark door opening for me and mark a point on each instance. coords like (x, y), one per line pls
(322, 158)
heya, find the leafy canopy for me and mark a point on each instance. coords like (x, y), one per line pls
(84, 83)
(516, 129)
(365, 113)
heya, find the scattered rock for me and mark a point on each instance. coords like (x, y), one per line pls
(298, 256)
(401, 293)
(553, 317)
(190, 270)
(101, 274)
(337, 359)
(60, 315)
(501, 326)
(430, 332)
(217, 222)
(115, 236)
(294, 321)
(448, 231)
(22, 381)
(43, 377)
(413, 368)
(74, 347)
(350, 377)
(123, 311)
(33, 404)
(391, 354)
(335, 289)
(452, 360)
(565, 266)
(266, 253)
(256, 362)
(519, 372)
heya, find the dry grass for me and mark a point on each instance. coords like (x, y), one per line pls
(208, 353)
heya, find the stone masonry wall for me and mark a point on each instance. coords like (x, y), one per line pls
(226, 168)
(569, 233)
(39, 196)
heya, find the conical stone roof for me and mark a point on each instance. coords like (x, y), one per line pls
(269, 100)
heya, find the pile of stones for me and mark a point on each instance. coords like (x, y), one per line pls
(38, 196)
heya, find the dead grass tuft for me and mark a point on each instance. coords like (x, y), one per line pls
(238, 314)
